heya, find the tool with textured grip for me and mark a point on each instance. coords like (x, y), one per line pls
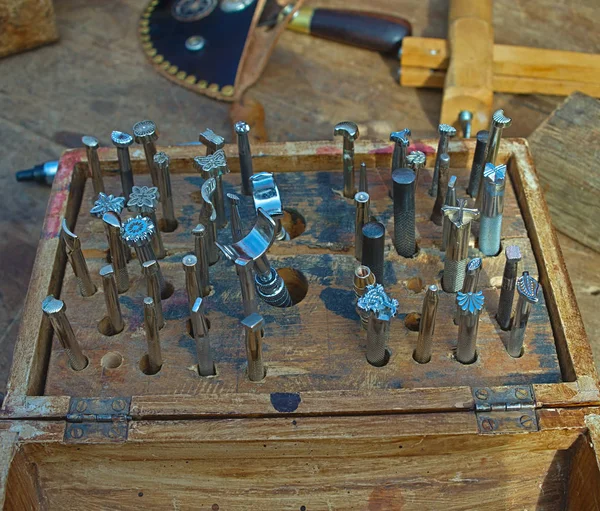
(422, 353)
(528, 289)
(91, 149)
(469, 310)
(348, 130)
(143, 200)
(117, 249)
(492, 207)
(145, 133)
(446, 131)
(111, 299)
(373, 248)
(254, 332)
(507, 291)
(403, 182)
(362, 202)
(75, 255)
(444, 168)
(478, 163)
(362, 278)
(206, 365)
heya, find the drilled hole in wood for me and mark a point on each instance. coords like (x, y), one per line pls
(145, 366)
(294, 222)
(415, 284)
(167, 291)
(467, 363)
(296, 283)
(167, 226)
(87, 363)
(412, 321)
(386, 359)
(111, 360)
(105, 327)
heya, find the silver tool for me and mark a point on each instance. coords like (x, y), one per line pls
(363, 179)
(75, 255)
(254, 333)
(478, 163)
(362, 202)
(446, 131)
(208, 218)
(245, 272)
(151, 271)
(401, 143)
(190, 266)
(457, 249)
(507, 291)
(111, 299)
(106, 204)
(362, 278)
(492, 207)
(215, 165)
(528, 288)
(266, 196)
(206, 365)
(465, 117)
(56, 310)
(145, 133)
(404, 212)
(143, 200)
(373, 248)
(91, 150)
(449, 200)
(122, 141)
(348, 130)
(422, 353)
(161, 162)
(201, 252)
(444, 168)
(416, 161)
(242, 128)
(469, 310)
(117, 248)
(155, 361)
(471, 280)
(381, 309)
(235, 218)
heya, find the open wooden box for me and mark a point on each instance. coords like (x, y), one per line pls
(324, 428)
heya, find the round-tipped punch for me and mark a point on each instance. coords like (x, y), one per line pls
(111, 299)
(242, 129)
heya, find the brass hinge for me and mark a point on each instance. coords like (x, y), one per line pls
(93, 419)
(508, 409)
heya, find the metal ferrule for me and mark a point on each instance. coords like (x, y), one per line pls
(91, 150)
(75, 255)
(161, 162)
(56, 310)
(422, 353)
(271, 289)
(151, 271)
(111, 299)
(245, 154)
(254, 332)
(507, 291)
(362, 201)
(403, 182)
(478, 163)
(362, 278)
(117, 249)
(152, 336)
(363, 181)
(444, 168)
(469, 310)
(373, 248)
(528, 288)
(245, 273)
(450, 200)
(201, 252)
(206, 364)
(190, 264)
(378, 334)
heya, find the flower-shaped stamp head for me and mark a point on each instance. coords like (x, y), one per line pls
(144, 132)
(143, 199)
(376, 300)
(212, 165)
(416, 160)
(105, 203)
(137, 231)
(470, 303)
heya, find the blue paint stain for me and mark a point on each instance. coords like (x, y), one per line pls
(394, 384)
(389, 274)
(187, 343)
(285, 402)
(340, 302)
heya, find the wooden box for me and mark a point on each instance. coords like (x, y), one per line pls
(324, 429)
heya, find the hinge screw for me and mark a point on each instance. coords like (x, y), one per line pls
(526, 421)
(115, 432)
(521, 393)
(488, 424)
(81, 406)
(119, 405)
(482, 394)
(76, 432)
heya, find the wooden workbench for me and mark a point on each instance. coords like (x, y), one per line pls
(96, 79)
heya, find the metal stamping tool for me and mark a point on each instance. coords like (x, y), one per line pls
(107, 204)
(266, 196)
(254, 333)
(151, 271)
(401, 143)
(507, 291)
(373, 248)
(469, 309)
(118, 249)
(91, 150)
(528, 289)
(446, 131)
(211, 141)
(206, 365)
(190, 264)
(75, 255)
(362, 202)
(122, 141)
(471, 280)
(457, 249)
(449, 200)
(416, 161)
(201, 252)
(498, 124)
(422, 353)
(56, 310)
(152, 336)
(214, 166)
(403, 181)
(478, 163)
(492, 207)
(362, 278)
(381, 309)
(111, 299)
(234, 216)
(145, 133)
(465, 117)
(161, 162)
(348, 130)
(245, 154)
(144, 201)
(208, 218)
(363, 180)
(444, 168)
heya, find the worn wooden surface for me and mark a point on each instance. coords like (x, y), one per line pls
(81, 87)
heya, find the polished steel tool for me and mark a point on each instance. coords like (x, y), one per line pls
(373, 248)
(91, 150)
(111, 299)
(416, 160)
(362, 278)
(200, 329)
(446, 131)
(143, 200)
(363, 180)
(201, 253)
(492, 207)
(161, 162)
(145, 133)
(110, 204)
(75, 255)
(401, 143)
(190, 266)
(118, 249)
(211, 141)
(507, 291)
(465, 117)
(122, 141)
(381, 309)
(214, 165)
(471, 280)
(449, 200)
(403, 184)
(444, 168)
(422, 353)
(528, 289)
(56, 310)
(469, 310)
(362, 202)
(478, 163)
(155, 361)
(266, 196)
(208, 218)
(348, 130)
(254, 333)
(151, 271)
(242, 129)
